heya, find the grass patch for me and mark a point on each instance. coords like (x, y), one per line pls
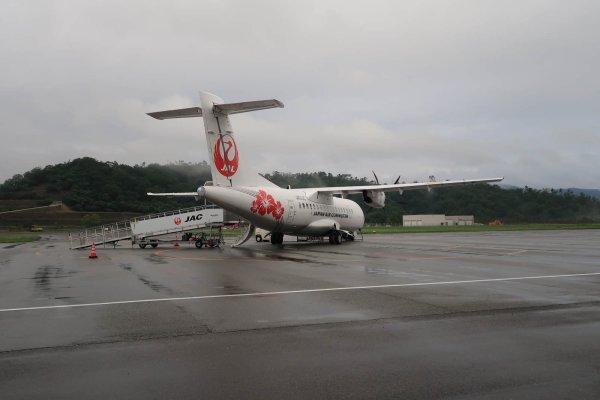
(476, 228)
(18, 239)
(232, 232)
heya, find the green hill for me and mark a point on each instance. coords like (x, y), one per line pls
(485, 202)
(87, 185)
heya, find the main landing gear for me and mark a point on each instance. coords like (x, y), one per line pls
(335, 237)
(276, 238)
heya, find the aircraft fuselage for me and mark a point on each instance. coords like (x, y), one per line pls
(289, 211)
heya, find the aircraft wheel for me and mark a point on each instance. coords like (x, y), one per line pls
(276, 238)
(259, 238)
(154, 245)
(199, 244)
(337, 237)
(142, 245)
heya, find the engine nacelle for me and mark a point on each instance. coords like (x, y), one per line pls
(374, 198)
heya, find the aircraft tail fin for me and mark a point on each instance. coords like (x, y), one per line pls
(228, 167)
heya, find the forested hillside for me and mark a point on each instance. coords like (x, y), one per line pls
(86, 184)
(485, 202)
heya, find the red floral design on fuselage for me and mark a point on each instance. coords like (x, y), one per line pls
(265, 204)
(278, 211)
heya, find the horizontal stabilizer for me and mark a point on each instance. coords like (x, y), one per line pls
(230, 108)
(180, 194)
(235, 108)
(181, 113)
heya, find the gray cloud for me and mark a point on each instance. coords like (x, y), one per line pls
(452, 88)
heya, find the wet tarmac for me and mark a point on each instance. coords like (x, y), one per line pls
(467, 316)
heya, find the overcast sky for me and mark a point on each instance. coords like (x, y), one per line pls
(455, 89)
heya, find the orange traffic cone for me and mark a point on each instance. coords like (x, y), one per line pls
(176, 240)
(93, 252)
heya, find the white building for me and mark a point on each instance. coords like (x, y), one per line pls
(437, 220)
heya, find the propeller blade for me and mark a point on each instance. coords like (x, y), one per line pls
(397, 180)
(375, 175)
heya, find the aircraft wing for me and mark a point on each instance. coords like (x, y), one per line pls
(182, 194)
(344, 190)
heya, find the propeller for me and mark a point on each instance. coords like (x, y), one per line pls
(377, 179)
(375, 175)
(395, 183)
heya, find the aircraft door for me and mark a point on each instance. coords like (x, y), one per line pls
(291, 212)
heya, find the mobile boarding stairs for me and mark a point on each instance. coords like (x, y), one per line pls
(139, 228)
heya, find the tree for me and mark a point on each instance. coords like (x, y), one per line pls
(89, 185)
(89, 220)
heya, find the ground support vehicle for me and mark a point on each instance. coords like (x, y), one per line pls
(211, 237)
(145, 230)
(261, 234)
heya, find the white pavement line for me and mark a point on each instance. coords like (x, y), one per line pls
(221, 296)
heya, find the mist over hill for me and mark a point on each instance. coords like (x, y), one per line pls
(86, 184)
(595, 193)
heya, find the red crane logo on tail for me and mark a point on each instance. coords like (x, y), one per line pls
(226, 155)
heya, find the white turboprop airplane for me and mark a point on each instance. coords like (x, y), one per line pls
(238, 188)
